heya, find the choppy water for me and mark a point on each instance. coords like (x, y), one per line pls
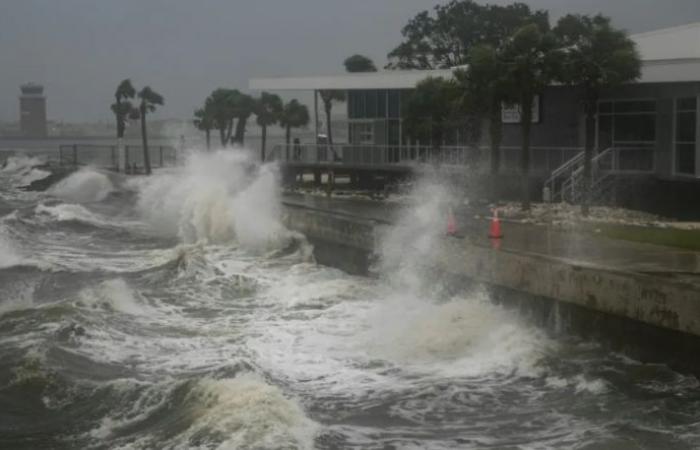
(176, 312)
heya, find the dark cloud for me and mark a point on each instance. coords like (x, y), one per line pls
(80, 49)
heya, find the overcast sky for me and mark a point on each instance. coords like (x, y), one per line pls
(81, 49)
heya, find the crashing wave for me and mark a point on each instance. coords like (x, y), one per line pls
(84, 186)
(217, 198)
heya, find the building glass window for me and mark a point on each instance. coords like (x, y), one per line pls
(686, 135)
(353, 105)
(362, 133)
(371, 104)
(394, 104)
(381, 104)
(628, 126)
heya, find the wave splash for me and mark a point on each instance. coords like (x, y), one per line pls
(9, 255)
(217, 198)
(84, 186)
(22, 170)
(240, 412)
(421, 320)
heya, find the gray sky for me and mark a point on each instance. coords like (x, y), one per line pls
(81, 49)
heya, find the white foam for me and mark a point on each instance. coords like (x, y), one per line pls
(462, 337)
(594, 386)
(65, 212)
(240, 412)
(20, 163)
(248, 413)
(34, 175)
(217, 197)
(9, 255)
(112, 295)
(84, 186)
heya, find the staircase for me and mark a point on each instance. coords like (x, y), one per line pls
(566, 184)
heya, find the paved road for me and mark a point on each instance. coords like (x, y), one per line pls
(580, 248)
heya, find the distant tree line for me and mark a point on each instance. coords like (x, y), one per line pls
(228, 111)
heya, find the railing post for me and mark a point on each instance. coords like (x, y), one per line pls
(75, 155)
(114, 157)
(126, 159)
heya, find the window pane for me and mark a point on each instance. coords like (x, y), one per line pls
(635, 128)
(381, 104)
(686, 104)
(371, 104)
(635, 106)
(352, 105)
(361, 111)
(686, 125)
(605, 137)
(605, 107)
(685, 158)
(394, 128)
(394, 104)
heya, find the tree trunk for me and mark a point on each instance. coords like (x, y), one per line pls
(229, 130)
(262, 146)
(496, 135)
(329, 132)
(222, 135)
(120, 120)
(590, 109)
(526, 124)
(239, 135)
(287, 139)
(207, 133)
(144, 139)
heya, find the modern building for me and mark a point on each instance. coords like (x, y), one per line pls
(32, 110)
(648, 130)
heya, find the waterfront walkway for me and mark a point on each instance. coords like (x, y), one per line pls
(578, 248)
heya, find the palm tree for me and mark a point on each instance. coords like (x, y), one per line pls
(328, 96)
(294, 115)
(242, 107)
(122, 107)
(531, 64)
(123, 111)
(149, 100)
(220, 103)
(204, 121)
(268, 109)
(597, 57)
(484, 89)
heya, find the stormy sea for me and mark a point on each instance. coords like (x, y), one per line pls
(176, 311)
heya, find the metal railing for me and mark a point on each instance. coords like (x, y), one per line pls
(567, 182)
(543, 159)
(107, 157)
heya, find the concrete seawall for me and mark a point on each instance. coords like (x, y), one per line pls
(650, 315)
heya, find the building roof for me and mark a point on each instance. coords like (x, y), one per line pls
(682, 42)
(399, 79)
(669, 55)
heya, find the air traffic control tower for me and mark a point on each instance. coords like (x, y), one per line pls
(32, 110)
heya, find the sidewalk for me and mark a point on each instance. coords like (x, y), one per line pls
(572, 247)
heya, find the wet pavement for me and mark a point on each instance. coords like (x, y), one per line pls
(579, 248)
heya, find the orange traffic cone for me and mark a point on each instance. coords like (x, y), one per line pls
(495, 231)
(451, 223)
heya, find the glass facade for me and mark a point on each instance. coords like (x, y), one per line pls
(629, 126)
(375, 116)
(686, 119)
